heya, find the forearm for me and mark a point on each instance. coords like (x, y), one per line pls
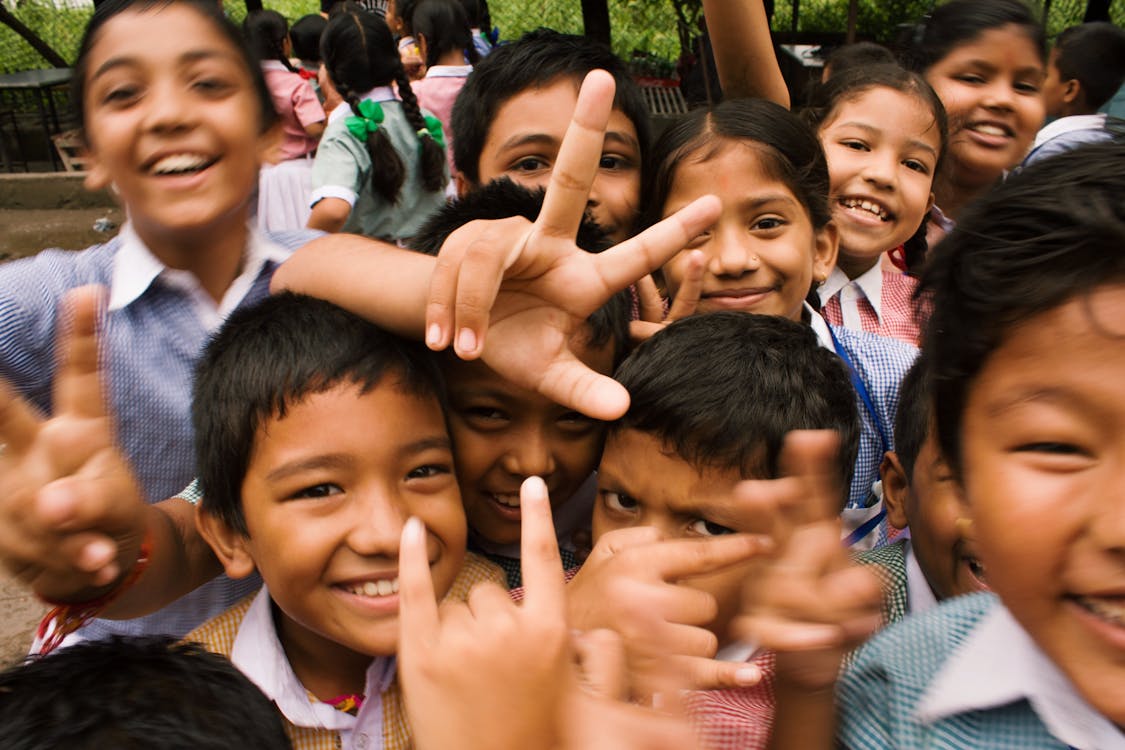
(804, 718)
(375, 280)
(744, 56)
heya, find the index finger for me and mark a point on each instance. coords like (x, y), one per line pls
(539, 553)
(810, 456)
(19, 423)
(78, 382)
(579, 155)
(417, 603)
(685, 558)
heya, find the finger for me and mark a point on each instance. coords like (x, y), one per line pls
(479, 276)
(810, 455)
(19, 423)
(488, 599)
(601, 660)
(641, 331)
(579, 155)
(712, 674)
(539, 554)
(442, 294)
(417, 610)
(786, 634)
(572, 384)
(78, 383)
(684, 558)
(624, 263)
(687, 298)
(648, 296)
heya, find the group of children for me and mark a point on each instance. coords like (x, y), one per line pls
(742, 479)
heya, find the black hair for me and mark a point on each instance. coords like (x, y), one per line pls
(960, 22)
(446, 29)
(1048, 235)
(266, 32)
(850, 84)
(857, 55)
(914, 415)
(501, 199)
(537, 59)
(305, 35)
(106, 11)
(790, 151)
(132, 693)
(271, 355)
(1094, 55)
(472, 12)
(724, 389)
(359, 54)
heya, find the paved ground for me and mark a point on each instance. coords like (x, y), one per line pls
(27, 231)
(19, 614)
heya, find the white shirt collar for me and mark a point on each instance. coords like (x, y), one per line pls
(448, 71)
(999, 664)
(919, 595)
(869, 284)
(820, 328)
(377, 94)
(274, 65)
(135, 268)
(1067, 125)
(259, 655)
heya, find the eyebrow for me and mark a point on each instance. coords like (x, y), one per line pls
(342, 460)
(765, 200)
(1017, 398)
(876, 131)
(186, 58)
(543, 139)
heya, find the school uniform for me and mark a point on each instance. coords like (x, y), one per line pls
(877, 301)
(1065, 134)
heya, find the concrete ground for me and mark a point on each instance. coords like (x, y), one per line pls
(27, 231)
(20, 613)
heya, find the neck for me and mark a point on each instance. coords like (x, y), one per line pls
(452, 57)
(212, 254)
(956, 189)
(325, 672)
(855, 267)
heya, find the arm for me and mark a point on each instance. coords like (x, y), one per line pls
(314, 129)
(740, 38)
(329, 215)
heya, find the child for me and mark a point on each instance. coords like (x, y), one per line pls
(180, 128)
(884, 132)
(443, 35)
(852, 56)
(135, 692)
(380, 170)
(304, 34)
(283, 188)
(480, 25)
(1085, 69)
(773, 241)
(313, 457)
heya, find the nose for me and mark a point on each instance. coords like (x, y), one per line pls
(998, 95)
(529, 453)
(167, 108)
(730, 253)
(375, 523)
(880, 169)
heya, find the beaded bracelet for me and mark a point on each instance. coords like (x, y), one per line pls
(64, 618)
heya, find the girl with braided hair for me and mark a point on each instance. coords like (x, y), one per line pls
(380, 170)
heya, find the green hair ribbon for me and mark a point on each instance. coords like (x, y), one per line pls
(433, 129)
(367, 121)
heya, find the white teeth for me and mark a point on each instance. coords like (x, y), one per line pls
(989, 129)
(1108, 609)
(511, 501)
(382, 587)
(868, 206)
(177, 163)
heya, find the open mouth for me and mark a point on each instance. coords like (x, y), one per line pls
(992, 129)
(373, 589)
(180, 164)
(863, 205)
(1110, 609)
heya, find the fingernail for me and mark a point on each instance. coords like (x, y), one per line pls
(413, 532)
(535, 487)
(433, 335)
(748, 675)
(466, 341)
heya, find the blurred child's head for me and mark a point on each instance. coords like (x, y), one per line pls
(267, 35)
(305, 36)
(503, 433)
(317, 436)
(510, 118)
(712, 398)
(986, 61)
(774, 238)
(175, 115)
(883, 130)
(1085, 69)
(1027, 357)
(135, 692)
(858, 55)
(440, 27)
(920, 494)
(359, 55)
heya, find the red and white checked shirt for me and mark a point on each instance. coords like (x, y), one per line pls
(878, 301)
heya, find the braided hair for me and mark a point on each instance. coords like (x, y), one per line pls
(359, 53)
(266, 32)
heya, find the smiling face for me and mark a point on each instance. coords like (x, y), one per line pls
(326, 493)
(763, 254)
(523, 144)
(504, 434)
(991, 91)
(882, 148)
(175, 127)
(1043, 447)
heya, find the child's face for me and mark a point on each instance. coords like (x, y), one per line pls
(1043, 446)
(991, 91)
(763, 254)
(503, 434)
(523, 144)
(325, 496)
(173, 122)
(882, 149)
(1054, 87)
(643, 483)
(930, 505)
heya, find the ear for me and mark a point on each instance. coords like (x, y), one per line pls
(1072, 89)
(826, 244)
(229, 546)
(420, 40)
(464, 187)
(930, 203)
(895, 487)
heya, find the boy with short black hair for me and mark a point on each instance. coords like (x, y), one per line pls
(317, 436)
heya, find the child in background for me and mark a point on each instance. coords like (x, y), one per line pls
(312, 460)
(304, 34)
(135, 692)
(857, 55)
(443, 36)
(380, 170)
(398, 17)
(480, 25)
(772, 243)
(1085, 69)
(884, 133)
(283, 188)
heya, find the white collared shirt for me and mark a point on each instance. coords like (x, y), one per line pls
(919, 595)
(448, 71)
(259, 655)
(868, 285)
(1065, 125)
(135, 268)
(820, 327)
(999, 664)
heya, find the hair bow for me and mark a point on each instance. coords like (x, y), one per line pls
(367, 121)
(433, 129)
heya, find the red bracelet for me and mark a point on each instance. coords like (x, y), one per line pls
(65, 618)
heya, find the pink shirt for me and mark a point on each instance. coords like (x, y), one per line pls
(297, 106)
(437, 92)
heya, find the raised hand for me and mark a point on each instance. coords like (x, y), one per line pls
(653, 317)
